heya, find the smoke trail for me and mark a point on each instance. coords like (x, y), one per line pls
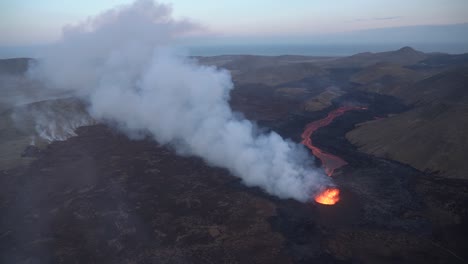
(122, 63)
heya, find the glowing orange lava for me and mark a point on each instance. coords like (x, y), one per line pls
(329, 197)
(330, 162)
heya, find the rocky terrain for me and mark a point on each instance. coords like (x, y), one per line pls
(100, 197)
(432, 135)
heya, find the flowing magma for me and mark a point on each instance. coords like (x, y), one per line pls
(330, 162)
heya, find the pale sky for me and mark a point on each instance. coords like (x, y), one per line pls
(26, 22)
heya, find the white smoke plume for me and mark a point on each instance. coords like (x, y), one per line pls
(52, 120)
(122, 63)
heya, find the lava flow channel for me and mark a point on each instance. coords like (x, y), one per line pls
(330, 162)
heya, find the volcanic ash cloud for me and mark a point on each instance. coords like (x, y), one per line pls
(122, 63)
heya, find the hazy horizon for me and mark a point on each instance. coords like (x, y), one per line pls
(333, 49)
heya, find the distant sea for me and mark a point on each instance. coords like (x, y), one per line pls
(321, 49)
(274, 49)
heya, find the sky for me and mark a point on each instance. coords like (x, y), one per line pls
(25, 22)
(26, 26)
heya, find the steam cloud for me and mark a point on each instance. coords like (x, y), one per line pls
(122, 63)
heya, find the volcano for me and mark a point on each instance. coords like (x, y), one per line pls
(329, 161)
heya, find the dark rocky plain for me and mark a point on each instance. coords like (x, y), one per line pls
(100, 197)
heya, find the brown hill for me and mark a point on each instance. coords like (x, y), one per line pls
(385, 78)
(14, 66)
(442, 60)
(248, 62)
(268, 70)
(275, 75)
(449, 87)
(403, 56)
(380, 70)
(432, 136)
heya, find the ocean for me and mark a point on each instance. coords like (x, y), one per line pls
(321, 49)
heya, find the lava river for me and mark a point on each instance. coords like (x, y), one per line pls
(330, 162)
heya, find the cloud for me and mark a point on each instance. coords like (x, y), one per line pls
(387, 18)
(376, 19)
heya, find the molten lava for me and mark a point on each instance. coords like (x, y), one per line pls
(330, 162)
(329, 197)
